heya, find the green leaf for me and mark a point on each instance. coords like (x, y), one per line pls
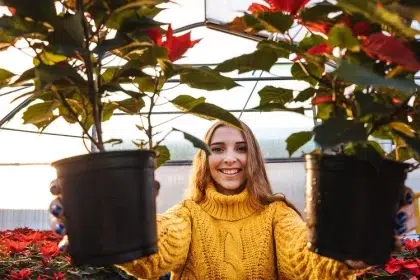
(39, 112)
(297, 140)
(309, 73)
(270, 94)
(206, 78)
(365, 151)
(342, 36)
(5, 76)
(25, 76)
(146, 84)
(148, 56)
(130, 105)
(412, 141)
(277, 22)
(377, 147)
(324, 111)
(195, 141)
(261, 59)
(12, 28)
(282, 49)
(305, 95)
(319, 12)
(68, 31)
(269, 107)
(117, 87)
(111, 44)
(368, 106)
(50, 73)
(359, 75)
(40, 10)
(162, 155)
(186, 102)
(211, 112)
(108, 111)
(113, 141)
(311, 41)
(370, 10)
(49, 58)
(336, 131)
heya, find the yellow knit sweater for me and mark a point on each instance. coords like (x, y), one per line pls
(230, 237)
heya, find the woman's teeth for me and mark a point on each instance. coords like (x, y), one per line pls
(230, 171)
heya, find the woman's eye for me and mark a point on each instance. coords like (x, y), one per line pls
(216, 149)
(242, 149)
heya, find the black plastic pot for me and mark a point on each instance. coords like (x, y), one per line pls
(109, 205)
(351, 207)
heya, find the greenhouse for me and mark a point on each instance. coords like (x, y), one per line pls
(365, 108)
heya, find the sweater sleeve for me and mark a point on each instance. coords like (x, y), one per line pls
(294, 259)
(174, 235)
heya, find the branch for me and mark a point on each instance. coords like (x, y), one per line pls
(74, 115)
(174, 118)
(164, 137)
(386, 119)
(93, 95)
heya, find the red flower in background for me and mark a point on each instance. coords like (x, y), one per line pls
(21, 274)
(320, 49)
(16, 246)
(390, 49)
(286, 6)
(32, 254)
(176, 46)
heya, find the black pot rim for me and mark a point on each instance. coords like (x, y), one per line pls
(105, 154)
(310, 156)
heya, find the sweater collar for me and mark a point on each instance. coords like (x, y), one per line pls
(228, 207)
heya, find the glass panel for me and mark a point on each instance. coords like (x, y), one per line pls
(25, 147)
(181, 13)
(223, 11)
(271, 129)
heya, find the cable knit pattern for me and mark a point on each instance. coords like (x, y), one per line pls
(232, 237)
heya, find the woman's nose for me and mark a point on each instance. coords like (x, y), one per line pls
(230, 159)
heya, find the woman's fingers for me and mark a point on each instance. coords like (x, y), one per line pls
(356, 264)
(63, 245)
(408, 196)
(56, 208)
(54, 188)
(57, 225)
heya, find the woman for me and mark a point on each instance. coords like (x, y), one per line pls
(232, 226)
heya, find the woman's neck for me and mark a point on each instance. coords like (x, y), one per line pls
(225, 191)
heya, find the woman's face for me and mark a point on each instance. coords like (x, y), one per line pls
(228, 159)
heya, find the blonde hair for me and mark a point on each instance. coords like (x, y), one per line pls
(257, 184)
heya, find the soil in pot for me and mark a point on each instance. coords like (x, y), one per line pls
(109, 204)
(351, 206)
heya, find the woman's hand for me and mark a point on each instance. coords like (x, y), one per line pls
(406, 221)
(57, 220)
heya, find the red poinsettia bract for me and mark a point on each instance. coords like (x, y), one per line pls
(176, 46)
(390, 49)
(23, 274)
(286, 6)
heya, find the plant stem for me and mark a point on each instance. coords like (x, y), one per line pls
(92, 82)
(163, 138)
(74, 115)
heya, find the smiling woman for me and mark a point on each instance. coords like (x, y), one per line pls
(228, 159)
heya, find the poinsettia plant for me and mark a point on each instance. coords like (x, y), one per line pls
(359, 59)
(33, 254)
(75, 76)
(403, 265)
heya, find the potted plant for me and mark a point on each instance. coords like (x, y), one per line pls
(359, 59)
(110, 194)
